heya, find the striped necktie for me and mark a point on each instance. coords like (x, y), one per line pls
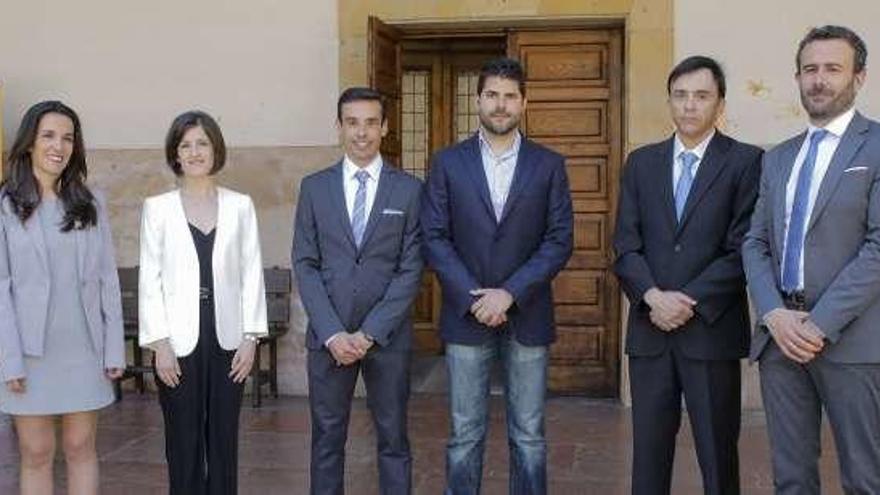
(359, 212)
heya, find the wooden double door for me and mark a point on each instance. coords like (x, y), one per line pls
(574, 92)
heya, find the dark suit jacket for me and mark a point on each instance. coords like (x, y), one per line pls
(522, 253)
(841, 244)
(344, 288)
(699, 256)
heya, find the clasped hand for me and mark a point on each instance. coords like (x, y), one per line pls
(491, 306)
(795, 334)
(670, 309)
(347, 348)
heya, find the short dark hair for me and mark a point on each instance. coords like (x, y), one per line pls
(831, 32)
(693, 64)
(359, 93)
(185, 122)
(505, 68)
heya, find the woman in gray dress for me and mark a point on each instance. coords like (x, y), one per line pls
(61, 340)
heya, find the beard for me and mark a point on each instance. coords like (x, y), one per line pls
(835, 105)
(499, 129)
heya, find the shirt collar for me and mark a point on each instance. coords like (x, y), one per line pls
(838, 124)
(373, 169)
(512, 150)
(699, 149)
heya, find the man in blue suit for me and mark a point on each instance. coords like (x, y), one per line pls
(356, 254)
(497, 223)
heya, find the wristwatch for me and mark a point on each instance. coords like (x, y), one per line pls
(251, 337)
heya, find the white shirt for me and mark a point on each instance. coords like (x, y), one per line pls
(351, 184)
(499, 170)
(678, 148)
(824, 153)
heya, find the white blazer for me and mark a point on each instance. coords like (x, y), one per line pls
(168, 294)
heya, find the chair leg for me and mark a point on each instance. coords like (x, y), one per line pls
(273, 367)
(139, 362)
(255, 378)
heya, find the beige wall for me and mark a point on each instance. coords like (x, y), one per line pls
(756, 41)
(266, 68)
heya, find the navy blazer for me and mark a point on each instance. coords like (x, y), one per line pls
(699, 255)
(521, 253)
(346, 288)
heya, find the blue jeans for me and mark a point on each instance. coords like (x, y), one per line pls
(525, 386)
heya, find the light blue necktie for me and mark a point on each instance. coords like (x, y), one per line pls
(794, 241)
(685, 181)
(359, 212)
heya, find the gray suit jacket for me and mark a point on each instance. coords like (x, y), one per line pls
(344, 288)
(841, 248)
(24, 290)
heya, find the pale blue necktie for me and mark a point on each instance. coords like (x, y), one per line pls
(794, 241)
(359, 212)
(685, 181)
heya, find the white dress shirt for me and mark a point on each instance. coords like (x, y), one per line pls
(499, 170)
(351, 184)
(678, 148)
(824, 153)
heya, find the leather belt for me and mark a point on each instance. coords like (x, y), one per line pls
(795, 300)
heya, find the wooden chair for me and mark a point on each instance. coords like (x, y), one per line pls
(278, 286)
(128, 285)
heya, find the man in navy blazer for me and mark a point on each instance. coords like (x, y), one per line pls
(685, 205)
(497, 222)
(356, 254)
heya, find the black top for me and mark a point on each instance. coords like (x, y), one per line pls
(204, 244)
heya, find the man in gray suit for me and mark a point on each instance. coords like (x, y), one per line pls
(812, 260)
(358, 268)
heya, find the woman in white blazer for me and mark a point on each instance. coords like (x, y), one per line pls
(202, 307)
(61, 341)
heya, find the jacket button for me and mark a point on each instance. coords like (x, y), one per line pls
(678, 248)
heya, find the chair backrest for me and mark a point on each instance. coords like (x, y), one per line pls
(128, 286)
(278, 286)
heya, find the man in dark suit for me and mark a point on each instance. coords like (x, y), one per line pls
(684, 207)
(812, 258)
(498, 227)
(356, 254)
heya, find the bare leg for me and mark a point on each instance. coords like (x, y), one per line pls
(36, 443)
(78, 432)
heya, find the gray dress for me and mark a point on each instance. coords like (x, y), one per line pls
(69, 377)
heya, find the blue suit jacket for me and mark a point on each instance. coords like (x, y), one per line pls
(521, 253)
(346, 288)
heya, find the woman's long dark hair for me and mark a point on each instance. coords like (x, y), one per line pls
(21, 186)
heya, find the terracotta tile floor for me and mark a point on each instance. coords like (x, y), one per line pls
(588, 442)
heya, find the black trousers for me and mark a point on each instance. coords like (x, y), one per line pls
(711, 392)
(201, 417)
(386, 375)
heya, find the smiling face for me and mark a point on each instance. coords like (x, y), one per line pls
(195, 153)
(827, 79)
(52, 148)
(361, 129)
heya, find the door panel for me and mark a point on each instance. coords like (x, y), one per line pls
(384, 70)
(573, 89)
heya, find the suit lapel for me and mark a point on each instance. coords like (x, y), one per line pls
(336, 193)
(522, 174)
(850, 142)
(710, 166)
(663, 174)
(387, 180)
(473, 163)
(787, 157)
